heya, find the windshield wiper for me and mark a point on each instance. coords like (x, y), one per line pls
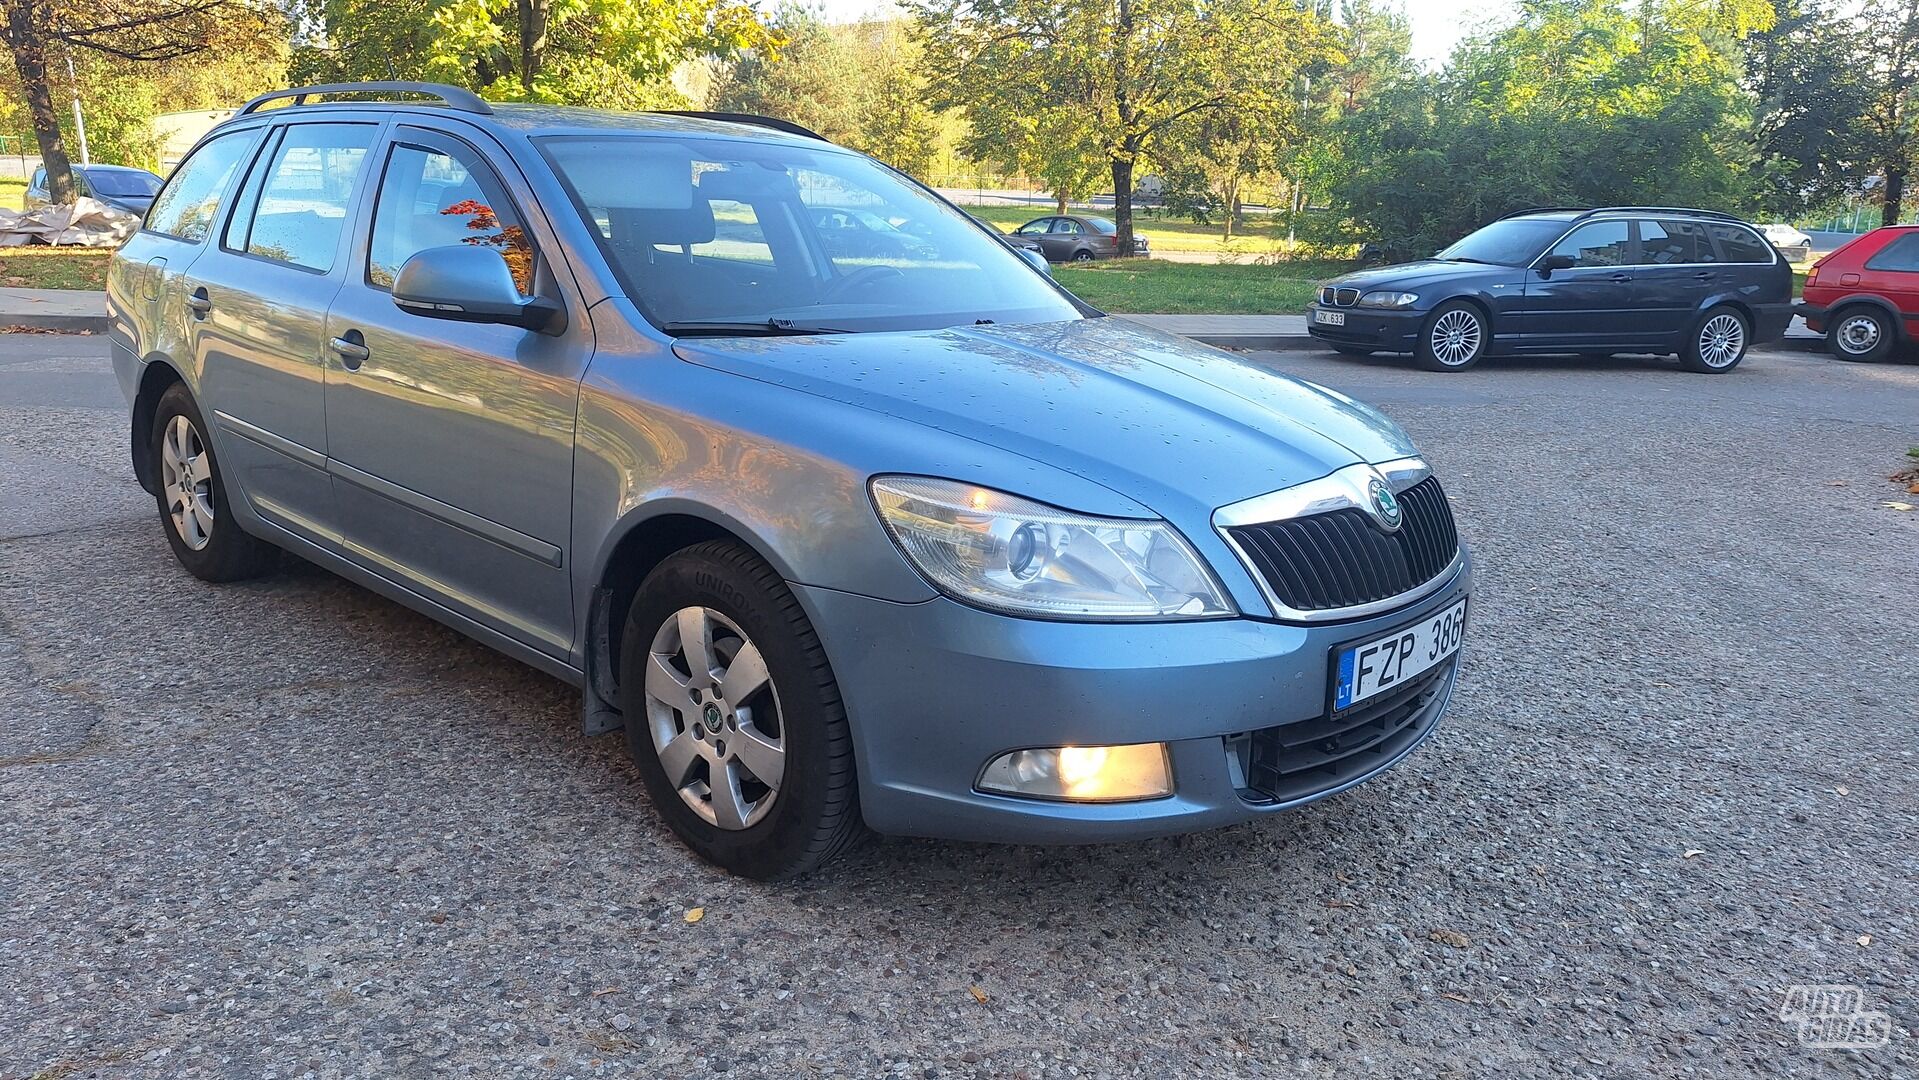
(743, 328)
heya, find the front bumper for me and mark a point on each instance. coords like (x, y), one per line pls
(1771, 321)
(1373, 328)
(935, 690)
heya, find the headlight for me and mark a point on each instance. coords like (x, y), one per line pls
(1389, 299)
(1018, 556)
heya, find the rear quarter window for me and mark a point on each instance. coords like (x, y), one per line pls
(187, 205)
(1742, 245)
(1902, 255)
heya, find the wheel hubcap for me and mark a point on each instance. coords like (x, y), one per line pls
(715, 718)
(1859, 334)
(1721, 341)
(186, 477)
(1456, 337)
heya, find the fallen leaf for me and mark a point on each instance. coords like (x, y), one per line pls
(1342, 877)
(1843, 789)
(1837, 483)
(978, 994)
(695, 914)
(1913, 489)
(1340, 903)
(1450, 937)
(1692, 853)
(1865, 940)
(437, 918)
(608, 990)
(1905, 507)
(1461, 998)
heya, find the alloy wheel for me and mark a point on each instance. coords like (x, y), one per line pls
(1456, 337)
(1722, 341)
(715, 718)
(186, 476)
(1858, 335)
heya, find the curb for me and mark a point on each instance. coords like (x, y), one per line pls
(65, 324)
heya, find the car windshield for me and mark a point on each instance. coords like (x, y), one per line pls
(1512, 242)
(124, 185)
(707, 234)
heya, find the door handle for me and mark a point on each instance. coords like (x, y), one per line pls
(200, 303)
(353, 352)
(1622, 276)
(1704, 275)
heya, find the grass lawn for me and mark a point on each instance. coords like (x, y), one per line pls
(13, 191)
(1260, 236)
(40, 267)
(1149, 286)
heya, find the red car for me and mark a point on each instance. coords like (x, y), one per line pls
(1865, 296)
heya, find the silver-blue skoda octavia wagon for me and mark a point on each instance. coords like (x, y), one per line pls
(836, 505)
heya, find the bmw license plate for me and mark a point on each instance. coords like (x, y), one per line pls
(1370, 668)
(1330, 318)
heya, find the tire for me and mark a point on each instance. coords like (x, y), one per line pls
(1082, 255)
(1453, 338)
(1717, 342)
(204, 534)
(1860, 334)
(1353, 350)
(781, 740)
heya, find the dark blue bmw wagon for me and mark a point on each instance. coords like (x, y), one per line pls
(1624, 279)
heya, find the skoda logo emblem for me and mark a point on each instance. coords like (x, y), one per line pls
(1385, 504)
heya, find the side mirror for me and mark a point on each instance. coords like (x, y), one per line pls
(465, 283)
(1555, 262)
(1038, 260)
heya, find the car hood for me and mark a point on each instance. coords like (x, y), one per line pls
(1154, 417)
(1415, 274)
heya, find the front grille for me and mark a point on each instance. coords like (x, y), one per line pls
(1297, 761)
(1332, 297)
(1342, 558)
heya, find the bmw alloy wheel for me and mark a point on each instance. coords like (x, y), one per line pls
(715, 718)
(1857, 335)
(1456, 337)
(186, 476)
(1722, 341)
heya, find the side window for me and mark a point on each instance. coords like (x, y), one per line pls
(1901, 254)
(1740, 244)
(1034, 228)
(1663, 243)
(302, 202)
(39, 179)
(1603, 243)
(439, 195)
(188, 203)
(1066, 226)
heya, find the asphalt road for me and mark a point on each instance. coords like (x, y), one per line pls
(289, 829)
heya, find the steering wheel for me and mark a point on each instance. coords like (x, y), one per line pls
(865, 275)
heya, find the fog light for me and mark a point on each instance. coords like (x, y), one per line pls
(1082, 773)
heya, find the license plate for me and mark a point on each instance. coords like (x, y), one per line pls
(1330, 318)
(1379, 666)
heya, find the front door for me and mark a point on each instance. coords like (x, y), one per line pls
(258, 304)
(1585, 307)
(452, 442)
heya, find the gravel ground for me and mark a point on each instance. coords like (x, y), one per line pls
(289, 829)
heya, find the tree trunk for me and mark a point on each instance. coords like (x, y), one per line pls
(533, 22)
(1895, 199)
(1059, 204)
(26, 34)
(1123, 203)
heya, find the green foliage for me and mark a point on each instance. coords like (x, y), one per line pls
(1580, 102)
(611, 53)
(857, 85)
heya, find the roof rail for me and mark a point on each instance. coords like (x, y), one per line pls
(451, 96)
(1547, 210)
(1693, 210)
(787, 126)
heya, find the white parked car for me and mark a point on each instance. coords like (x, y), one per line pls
(1785, 238)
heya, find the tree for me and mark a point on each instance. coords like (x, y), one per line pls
(611, 53)
(1810, 91)
(1889, 39)
(134, 31)
(1082, 84)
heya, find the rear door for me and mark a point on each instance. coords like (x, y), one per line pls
(257, 304)
(1587, 306)
(1679, 268)
(452, 442)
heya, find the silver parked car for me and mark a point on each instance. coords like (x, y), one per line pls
(911, 541)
